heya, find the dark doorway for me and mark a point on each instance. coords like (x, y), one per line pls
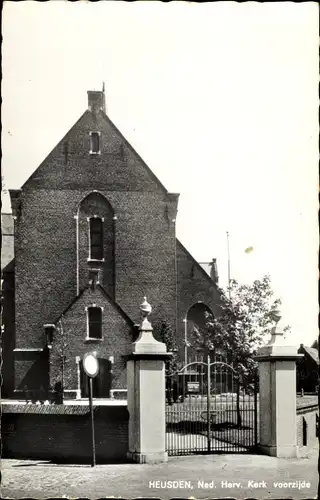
(35, 367)
(304, 432)
(101, 384)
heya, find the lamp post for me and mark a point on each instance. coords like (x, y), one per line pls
(91, 367)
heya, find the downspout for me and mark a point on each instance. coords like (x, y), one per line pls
(77, 251)
(176, 274)
(114, 226)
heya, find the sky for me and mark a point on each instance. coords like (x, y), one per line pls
(221, 101)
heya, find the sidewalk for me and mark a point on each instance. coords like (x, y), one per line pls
(201, 476)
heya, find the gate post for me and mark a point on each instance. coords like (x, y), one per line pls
(277, 395)
(146, 395)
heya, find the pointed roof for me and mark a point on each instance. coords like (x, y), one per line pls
(96, 118)
(107, 296)
(31, 177)
(9, 268)
(313, 353)
(198, 266)
(310, 351)
(131, 148)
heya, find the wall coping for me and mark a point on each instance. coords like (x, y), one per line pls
(277, 357)
(307, 409)
(306, 401)
(164, 356)
(56, 409)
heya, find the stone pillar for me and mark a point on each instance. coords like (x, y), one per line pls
(277, 395)
(146, 395)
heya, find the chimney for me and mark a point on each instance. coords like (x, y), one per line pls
(214, 271)
(96, 101)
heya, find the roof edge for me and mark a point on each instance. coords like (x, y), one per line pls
(203, 272)
(111, 301)
(52, 149)
(150, 172)
(9, 268)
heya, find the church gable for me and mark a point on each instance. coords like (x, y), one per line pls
(95, 296)
(92, 322)
(94, 155)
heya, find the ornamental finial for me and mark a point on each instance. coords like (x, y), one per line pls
(145, 308)
(276, 314)
(276, 332)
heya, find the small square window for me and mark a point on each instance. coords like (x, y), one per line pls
(95, 143)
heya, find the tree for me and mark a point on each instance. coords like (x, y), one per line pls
(167, 337)
(171, 364)
(244, 323)
(61, 346)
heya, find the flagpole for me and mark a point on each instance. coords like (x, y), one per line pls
(229, 279)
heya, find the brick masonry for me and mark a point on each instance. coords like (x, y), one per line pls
(60, 432)
(117, 337)
(142, 256)
(63, 433)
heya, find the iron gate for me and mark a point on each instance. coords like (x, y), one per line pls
(210, 410)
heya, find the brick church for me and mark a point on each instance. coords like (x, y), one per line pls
(94, 232)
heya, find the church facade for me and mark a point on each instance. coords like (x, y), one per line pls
(94, 232)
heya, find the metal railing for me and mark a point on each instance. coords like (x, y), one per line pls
(209, 410)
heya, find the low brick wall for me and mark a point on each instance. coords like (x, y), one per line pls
(63, 432)
(307, 413)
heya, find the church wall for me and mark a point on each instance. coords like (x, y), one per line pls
(194, 285)
(51, 244)
(46, 258)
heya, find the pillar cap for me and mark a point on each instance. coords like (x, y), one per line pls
(277, 357)
(146, 343)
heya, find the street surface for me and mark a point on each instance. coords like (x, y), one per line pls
(200, 476)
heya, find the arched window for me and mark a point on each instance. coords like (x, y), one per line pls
(94, 322)
(195, 327)
(96, 238)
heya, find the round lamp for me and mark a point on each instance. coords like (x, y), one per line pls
(90, 364)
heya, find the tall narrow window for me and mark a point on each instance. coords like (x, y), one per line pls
(94, 143)
(96, 239)
(94, 322)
